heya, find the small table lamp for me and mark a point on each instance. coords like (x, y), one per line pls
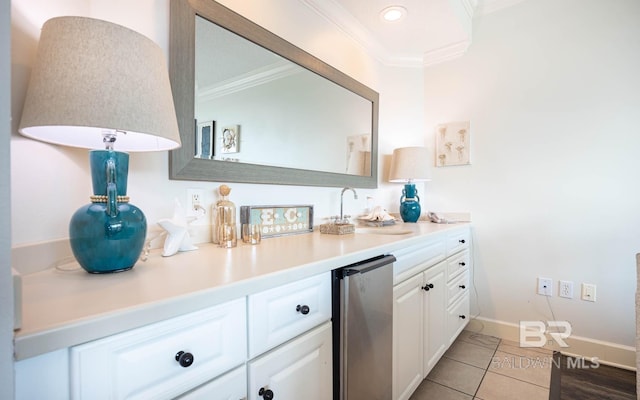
(95, 82)
(409, 164)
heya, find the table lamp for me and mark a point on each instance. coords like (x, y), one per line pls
(409, 164)
(99, 85)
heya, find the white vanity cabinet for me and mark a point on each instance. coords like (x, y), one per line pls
(431, 306)
(268, 330)
(162, 360)
(278, 339)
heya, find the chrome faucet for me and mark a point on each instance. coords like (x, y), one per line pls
(355, 196)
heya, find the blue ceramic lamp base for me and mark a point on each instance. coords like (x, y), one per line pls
(410, 204)
(108, 235)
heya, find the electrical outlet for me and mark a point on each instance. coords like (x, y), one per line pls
(195, 198)
(545, 286)
(565, 289)
(588, 292)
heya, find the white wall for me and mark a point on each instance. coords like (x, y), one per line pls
(6, 289)
(550, 88)
(43, 200)
(552, 92)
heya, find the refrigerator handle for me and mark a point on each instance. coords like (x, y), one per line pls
(367, 265)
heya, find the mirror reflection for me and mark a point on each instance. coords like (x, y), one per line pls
(254, 106)
(262, 110)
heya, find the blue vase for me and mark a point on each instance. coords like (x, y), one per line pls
(410, 203)
(108, 235)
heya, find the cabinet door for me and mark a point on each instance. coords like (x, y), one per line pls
(299, 369)
(407, 337)
(230, 386)
(435, 316)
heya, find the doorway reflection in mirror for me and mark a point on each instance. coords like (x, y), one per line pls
(359, 155)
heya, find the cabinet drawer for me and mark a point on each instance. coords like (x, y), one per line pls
(282, 313)
(299, 369)
(230, 386)
(457, 287)
(458, 241)
(141, 363)
(457, 318)
(417, 258)
(457, 264)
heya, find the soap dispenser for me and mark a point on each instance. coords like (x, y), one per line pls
(224, 220)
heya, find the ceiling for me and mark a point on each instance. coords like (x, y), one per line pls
(432, 31)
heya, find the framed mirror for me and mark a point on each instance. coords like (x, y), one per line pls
(253, 108)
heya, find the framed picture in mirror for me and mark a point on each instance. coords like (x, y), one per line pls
(230, 139)
(205, 132)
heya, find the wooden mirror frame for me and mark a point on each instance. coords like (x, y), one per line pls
(182, 163)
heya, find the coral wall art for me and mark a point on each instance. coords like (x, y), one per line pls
(452, 144)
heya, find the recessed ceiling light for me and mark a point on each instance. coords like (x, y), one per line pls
(393, 13)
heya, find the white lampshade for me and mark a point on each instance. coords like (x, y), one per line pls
(93, 76)
(410, 164)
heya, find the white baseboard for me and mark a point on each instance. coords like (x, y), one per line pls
(607, 353)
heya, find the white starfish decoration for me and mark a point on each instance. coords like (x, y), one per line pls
(178, 238)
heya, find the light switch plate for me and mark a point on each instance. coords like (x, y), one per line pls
(588, 292)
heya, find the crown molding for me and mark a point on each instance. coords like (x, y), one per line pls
(335, 14)
(254, 78)
(446, 53)
(489, 6)
(469, 7)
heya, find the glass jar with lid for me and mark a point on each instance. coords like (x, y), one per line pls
(224, 220)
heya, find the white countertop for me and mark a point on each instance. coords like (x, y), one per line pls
(65, 308)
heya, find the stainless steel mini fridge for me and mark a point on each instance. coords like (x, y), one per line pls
(362, 329)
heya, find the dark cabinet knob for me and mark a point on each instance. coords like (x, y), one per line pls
(462, 316)
(185, 359)
(304, 310)
(427, 287)
(266, 394)
(462, 263)
(462, 241)
(462, 286)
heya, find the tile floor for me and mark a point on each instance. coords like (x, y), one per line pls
(483, 367)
